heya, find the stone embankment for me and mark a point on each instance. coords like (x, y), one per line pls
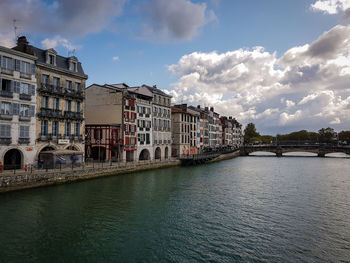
(16, 180)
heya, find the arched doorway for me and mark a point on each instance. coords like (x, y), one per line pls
(40, 158)
(72, 148)
(144, 155)
(166, 154)
(13, 159)
(157, 153)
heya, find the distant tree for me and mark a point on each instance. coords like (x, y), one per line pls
(266, 139)
(344, 136)
(250, 132)
(327, 135)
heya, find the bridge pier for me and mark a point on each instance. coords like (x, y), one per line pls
(321, 154)
(279, 153)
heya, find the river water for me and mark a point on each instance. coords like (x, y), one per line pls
(248, 209)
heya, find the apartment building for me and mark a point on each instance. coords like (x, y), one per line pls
(60, 100)
(17, 108)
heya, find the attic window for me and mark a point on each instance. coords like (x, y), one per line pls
(74, 66)
(52, 59)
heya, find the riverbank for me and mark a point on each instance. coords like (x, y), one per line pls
(22, 180)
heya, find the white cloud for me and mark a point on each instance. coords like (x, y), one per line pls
(58, 41)
(331, 6)
(115, 58)
(176, 19)
(7, 40)
(307, 87)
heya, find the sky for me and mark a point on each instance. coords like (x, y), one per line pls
(283, 65)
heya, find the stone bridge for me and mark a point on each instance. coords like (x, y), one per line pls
(320, 149)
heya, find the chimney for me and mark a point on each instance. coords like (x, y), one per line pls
(23, 46)
(22, 41)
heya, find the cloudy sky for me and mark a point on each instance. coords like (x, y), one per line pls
(284, 65)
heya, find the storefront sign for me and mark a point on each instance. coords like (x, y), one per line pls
(29, 149)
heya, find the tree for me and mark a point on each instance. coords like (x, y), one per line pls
(327, 135)
(250, 132)
(344, 136)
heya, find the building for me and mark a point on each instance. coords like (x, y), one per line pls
(184, 130)
(110, 113)
(17, 108)
(60, 100)
(144, 132)
(161, 113)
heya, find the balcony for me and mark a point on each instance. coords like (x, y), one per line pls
(6, 93)
(24, 118)
(5, 140)
(7, 71)
(60, 91)
(7, 117)
(23, 140)
(23, 96)
(44, 137)
(25, 75)
(147, 115)
(73, 115)
(50, 113)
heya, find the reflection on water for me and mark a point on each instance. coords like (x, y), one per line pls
(248, 209)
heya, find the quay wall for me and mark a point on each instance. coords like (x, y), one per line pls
(22, 180)
(11, 182)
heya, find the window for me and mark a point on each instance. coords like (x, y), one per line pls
(74, 66)
(69, 84)
(24, 88)
(24, 110)
(147, 138)
(68, 129)
(56, 103)
(23, 131)
(98, 134)
(5, 108)
(7, 63)
(55, 128)
(68, 105)
(6, 85)
(5, 131)
(25, 67)
(126, 102)
(45, 79)
(77, 129)
(77, 86)
(45, 102)
(56, 82)
(44, 127)
(77, 106)
(52, 59)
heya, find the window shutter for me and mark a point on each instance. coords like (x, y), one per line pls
(16, 87)
(18, 65)
(33, 69)
(15, 108)
(32, 111)
(32, 91)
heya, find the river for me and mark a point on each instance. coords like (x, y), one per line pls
(248, 209)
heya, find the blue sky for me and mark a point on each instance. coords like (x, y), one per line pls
(203, 52)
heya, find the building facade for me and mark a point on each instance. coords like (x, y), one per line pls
(17, 108)
(60, 100)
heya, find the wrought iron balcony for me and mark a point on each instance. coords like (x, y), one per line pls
(60, 91)
(50, 113)
(23, 96)
(24, 118)
(6, 93)
(5, 140)
(73, 115)
(7, 117)
(7, 71)
(44, 137)
(23, 140)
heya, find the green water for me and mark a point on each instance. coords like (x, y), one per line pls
(248, 209)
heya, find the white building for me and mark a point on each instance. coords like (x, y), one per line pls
(17, 104)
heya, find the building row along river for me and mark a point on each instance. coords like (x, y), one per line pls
(49, 117)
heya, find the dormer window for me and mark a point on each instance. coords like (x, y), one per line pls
(51, 57)
(73, 64)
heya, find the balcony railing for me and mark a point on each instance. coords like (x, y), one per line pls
(60, 91)
(6, 93)
(73, 115)
(6, 117)
(7, 71)
(6, 140)
(50, 113)
(25, 75)
(24, 118)
(23, 96)
(23, 140)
